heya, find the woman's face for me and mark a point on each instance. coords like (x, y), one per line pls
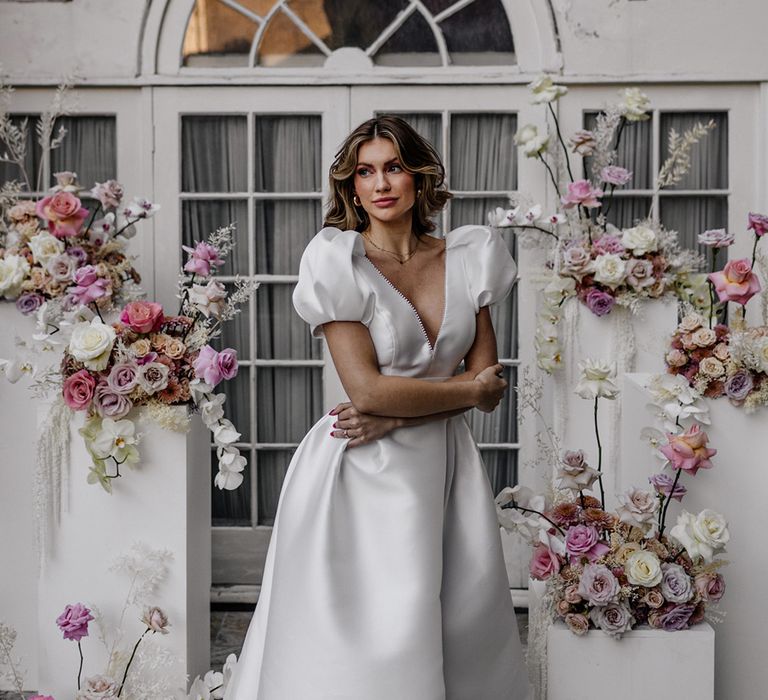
(386, 191)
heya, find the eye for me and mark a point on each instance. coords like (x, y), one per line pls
(395, 167)
(362, 171)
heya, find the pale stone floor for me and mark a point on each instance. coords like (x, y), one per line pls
(230, 623)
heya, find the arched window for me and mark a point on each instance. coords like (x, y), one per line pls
(304, 33)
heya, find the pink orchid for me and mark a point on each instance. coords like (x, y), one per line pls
(581, 192)
(736, 281)
(688, 451)
(202, 257)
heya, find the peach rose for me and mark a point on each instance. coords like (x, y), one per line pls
(736, 281)
(64, 213)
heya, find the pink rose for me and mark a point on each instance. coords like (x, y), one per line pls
(206, 366)
(578, 624)
(758, 223)
(227, 361)
(710, 586)
(615, 175)
(716, 238)
(109, 193)
(143, 316)
(202, 257)
(73, 622)
(64, 213)
(544, 563)
(736, 282)
(584, 541)
(89, 286)
(581, 192)
(688, 451)
(78, 390)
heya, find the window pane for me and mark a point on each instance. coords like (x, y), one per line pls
(287, 156)
(89, 149)
(289, 401)
(284, 45)
(283, 229)
(709, 157)
(483, 153)
(624, 212)
(280, 332)
(479, 34)
(426, 124)
(690, 216)
(634, 151)
(237, 407)
(200, 218)
(501, 466)
(273, 464)
(218, 35)
(473, 210)
(231, 508)
(359, 23)
(213, 153)
(33, 152)
(413, 44)
(504, 319)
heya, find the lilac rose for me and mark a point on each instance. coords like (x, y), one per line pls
(227, 361)
(78, 253)
(675, 617)
(109, 403)
(598, 585)
(584, 541)
(123, 377)
(598, 302)
(613, 619)
(675, 583)
(29, 303)
(738, 386)
(73, 622)
(608, 244)
(663, 484)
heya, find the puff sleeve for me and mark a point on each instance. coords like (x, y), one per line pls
(490, 269)
(328, 288)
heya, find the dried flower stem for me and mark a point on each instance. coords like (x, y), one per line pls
(663, 520)
(551, 174)
(130, 661)
(599, 456)
(80, 669)
(562, 142)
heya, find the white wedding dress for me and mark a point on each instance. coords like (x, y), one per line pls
(384, 577)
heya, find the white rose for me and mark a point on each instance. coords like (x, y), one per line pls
(597, 380)
(638, 508)
(210, 299)
(643, 569)
(61, 267)
(13, 271)
(544, 90)
(529, 139)
(761, 353)
(702, 535)
(640, 240)
(91, 343)
(610, 269)
(98, 688)
(44, 246)
(635, 104)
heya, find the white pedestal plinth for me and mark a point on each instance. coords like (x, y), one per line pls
(164, 502)
(735, 486)
(18, 432)
(607, 338)
(644, 663)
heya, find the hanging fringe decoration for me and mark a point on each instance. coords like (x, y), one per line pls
(51, 484)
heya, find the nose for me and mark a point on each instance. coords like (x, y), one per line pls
(382, 183)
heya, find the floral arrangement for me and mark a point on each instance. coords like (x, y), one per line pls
(716, 358)
(135, 671)
(591, 260)
(614, 570)
(158, 361)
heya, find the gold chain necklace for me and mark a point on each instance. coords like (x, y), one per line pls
(397, 256)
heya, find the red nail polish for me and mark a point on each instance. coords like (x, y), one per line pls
(331, 434)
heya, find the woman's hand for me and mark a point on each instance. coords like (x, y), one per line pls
(492, 387)
(362, 428)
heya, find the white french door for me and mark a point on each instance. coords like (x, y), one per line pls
(260, 156)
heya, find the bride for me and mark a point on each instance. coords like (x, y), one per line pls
(384, 577)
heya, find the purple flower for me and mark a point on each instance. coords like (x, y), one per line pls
(85, 276)
(202, 257)
(738, 386)
(123, 377)
(716, 238)
(73, 622)
(598, 302)
(109, 403)
(607, 245)
(613, 619)
(146, 359)
(675, 617)
(89, 286)
(598, 585)
(227, 361)
(206, 366)
(78, 254)
(675, 583)
(758, 223)
(615, 175)
(663, 484)
(584, 541)
(29, 303)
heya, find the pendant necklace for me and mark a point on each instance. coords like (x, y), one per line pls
(397, 256)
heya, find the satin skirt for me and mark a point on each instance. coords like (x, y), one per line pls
(384, 577)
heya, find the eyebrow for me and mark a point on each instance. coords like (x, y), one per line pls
(392, 160)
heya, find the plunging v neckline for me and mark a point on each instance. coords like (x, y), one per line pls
(412, 306)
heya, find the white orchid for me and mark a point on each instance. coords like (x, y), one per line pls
(198, 388)
(231, 465)
(224, 433)
(211, 410)
(116, 439)
(525, 524)
(597, 380)
(502, 218)
(140, 208)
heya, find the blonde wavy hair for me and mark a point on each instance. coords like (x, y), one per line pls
(417, 156)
